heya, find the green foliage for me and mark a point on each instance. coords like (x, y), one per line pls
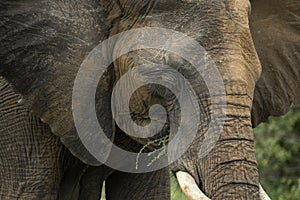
(103, 192)
(277, 146)
(161, 143)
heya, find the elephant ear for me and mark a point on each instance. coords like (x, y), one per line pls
(42, 46)
(275, 27)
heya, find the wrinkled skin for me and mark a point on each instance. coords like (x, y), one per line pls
(36, 165)
(44, 43)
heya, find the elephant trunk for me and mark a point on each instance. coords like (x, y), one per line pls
(233, 161)
(229, 170)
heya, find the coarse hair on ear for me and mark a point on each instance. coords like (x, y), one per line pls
(275, 30)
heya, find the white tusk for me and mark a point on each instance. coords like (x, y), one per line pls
(192, 191)
(262, 194)
(189, 186)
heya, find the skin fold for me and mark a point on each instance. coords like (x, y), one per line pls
(42, 45)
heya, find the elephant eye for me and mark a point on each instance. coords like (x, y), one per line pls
(168, 5)
(136, 7)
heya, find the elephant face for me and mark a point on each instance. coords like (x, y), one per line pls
(45, 43)
(221, 27)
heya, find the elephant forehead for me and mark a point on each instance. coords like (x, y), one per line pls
(144, 7)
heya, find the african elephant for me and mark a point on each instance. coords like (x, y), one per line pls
(43, 44)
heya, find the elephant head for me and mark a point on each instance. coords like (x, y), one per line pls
(44, 43)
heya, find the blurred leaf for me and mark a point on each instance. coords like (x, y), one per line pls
(277, 147)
